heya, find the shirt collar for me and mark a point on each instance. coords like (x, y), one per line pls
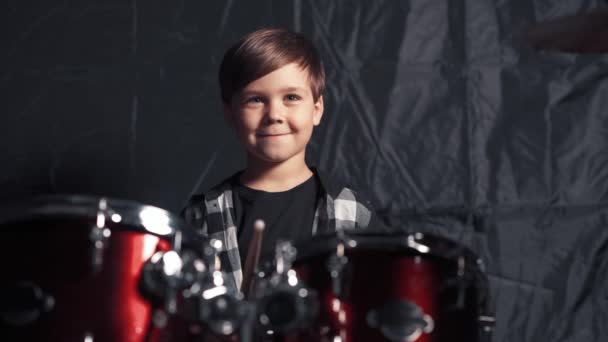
(331, 188)
(327, 186)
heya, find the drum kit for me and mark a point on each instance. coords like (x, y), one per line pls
(90, 269)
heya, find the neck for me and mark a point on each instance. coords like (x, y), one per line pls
(275, 177)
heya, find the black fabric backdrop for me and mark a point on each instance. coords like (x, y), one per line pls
(434, 109)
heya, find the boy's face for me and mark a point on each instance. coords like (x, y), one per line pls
(274, 115)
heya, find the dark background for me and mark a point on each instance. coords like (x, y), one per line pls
(434, 108)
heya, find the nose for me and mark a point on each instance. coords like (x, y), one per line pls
(276, 111)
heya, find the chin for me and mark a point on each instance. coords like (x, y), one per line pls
(271, 157)
(274, 158)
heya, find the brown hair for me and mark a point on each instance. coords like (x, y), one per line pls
(264, 51)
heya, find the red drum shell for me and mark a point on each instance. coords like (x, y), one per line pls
(47, 243)
(439, 276)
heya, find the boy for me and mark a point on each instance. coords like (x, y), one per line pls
(272, 84)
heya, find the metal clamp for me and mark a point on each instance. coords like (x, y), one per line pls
(284, 303)
(216, 304)
(335, 266)
(99, 235)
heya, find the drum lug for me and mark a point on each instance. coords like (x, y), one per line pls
(99, 236)
(88, 337)
(285, 254)
(400, 320)
(163, 277)
(486, 325)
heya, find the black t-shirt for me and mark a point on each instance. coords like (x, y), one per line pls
(288, 215)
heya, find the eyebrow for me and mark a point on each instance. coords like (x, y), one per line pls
(289, 89)
(282, 90)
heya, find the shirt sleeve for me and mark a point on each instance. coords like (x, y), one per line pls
(373, 222)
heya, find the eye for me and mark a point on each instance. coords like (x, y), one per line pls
(254, 100)
(292, 97)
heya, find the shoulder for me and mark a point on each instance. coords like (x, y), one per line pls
(338, 189)
(195, 210)
(351, 206)
(195, 203)
(348, 208)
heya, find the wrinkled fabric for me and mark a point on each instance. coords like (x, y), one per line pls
(435, 109)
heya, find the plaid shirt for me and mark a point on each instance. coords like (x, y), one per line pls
(213, 213)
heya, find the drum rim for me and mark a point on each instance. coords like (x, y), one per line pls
(439, 247)
(57, 206)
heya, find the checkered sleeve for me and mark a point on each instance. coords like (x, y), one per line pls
(229, 257)
(220, 214)
(213, 219)
(350, 210)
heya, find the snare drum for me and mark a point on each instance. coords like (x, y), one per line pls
(72, 268)
(399, 287)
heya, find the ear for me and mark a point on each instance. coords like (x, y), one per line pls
(318, 111)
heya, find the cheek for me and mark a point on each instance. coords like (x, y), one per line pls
(303, 121)
(304, 129)
(247, 122)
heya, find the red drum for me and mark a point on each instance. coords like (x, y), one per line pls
(401, 287)
(72, 266)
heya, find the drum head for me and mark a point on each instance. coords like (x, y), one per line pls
(397, 242)
(72, 210)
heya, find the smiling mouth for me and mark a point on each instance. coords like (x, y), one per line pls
(272, 135)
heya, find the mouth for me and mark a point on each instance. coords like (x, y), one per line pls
(262, 135)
